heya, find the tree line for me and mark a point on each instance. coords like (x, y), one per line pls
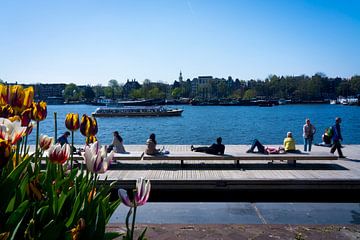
(316, 87)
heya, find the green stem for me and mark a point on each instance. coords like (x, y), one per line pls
(26, 139)
(17, 152)
(55, 125)
(72, 147)
(133, 222)
(37, 142)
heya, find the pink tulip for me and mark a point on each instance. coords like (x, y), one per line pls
(96, 158)
(142, 193)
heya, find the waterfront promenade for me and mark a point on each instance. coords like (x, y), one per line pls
(307, 179)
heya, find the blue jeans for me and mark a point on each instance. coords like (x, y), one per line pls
(307, 142)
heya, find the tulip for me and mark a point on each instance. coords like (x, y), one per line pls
(6, 111)
(142, 193)
(3, 95)
(96, 158)
(5, 152)
(90, 139)
(59, 154)
(72, 121)
(17, 97)
(88, 126)
(39, 111)
(26, 117)
(12, 131)
(45, 142)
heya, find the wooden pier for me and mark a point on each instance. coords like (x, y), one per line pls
(339, 179)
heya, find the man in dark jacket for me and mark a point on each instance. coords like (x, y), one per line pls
(337, 138)
(217, 148)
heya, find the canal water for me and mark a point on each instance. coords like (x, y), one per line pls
(243, 213)
(203, 124)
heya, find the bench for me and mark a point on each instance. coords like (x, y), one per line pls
(291, 158)
(234, 155)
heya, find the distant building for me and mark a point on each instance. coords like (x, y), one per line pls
(129, 86)
(51, 92)
(201, 87)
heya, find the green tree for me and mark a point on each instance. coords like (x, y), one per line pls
(249, 94)
(88, 93)
(72, 92)
(176, 92)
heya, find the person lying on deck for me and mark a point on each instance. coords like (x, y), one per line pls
(217, 148)
(264, 150)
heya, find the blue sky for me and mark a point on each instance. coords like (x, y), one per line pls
(91, 42)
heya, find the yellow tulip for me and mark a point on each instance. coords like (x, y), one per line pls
(39, 111)
(72, 121)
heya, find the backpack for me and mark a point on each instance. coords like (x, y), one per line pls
(330, 131)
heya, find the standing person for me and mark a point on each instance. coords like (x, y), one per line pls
(337, 138)
(217, 148)
(151, 146)
(117, 143)
(308, 134)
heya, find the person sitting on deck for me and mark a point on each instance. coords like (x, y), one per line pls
(63, 138)
(151, 146)
(289, 143)
(264, 150)
(117, 143)
(326, 139)
(217, 148)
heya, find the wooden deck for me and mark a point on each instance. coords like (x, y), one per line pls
(343, 174)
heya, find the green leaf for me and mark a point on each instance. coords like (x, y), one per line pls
(53, 230)
(141, 237)
(100, 227)
(77, 205)
(11, 182)
(18, 214)
(112, 235)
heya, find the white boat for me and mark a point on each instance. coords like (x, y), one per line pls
(332, 101)
(136, 111)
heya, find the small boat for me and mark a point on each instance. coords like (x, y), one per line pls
(136, 111)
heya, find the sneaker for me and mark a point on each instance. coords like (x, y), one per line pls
(249, 151)
(192, 148)
(342, 156)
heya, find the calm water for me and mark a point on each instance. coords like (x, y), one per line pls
(202, 124)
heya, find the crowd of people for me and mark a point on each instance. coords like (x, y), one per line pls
(331, 138)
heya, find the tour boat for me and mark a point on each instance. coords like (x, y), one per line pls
(136, 111)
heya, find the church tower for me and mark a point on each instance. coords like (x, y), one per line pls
(180, 77)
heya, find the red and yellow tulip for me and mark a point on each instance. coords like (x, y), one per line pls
(72, 121)
(26, 117)
(6, 111)
(11, 131)
(39, 111)
(88, 126)
(90, 139)
(59, 154)
(17, 97)
(45, 142)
